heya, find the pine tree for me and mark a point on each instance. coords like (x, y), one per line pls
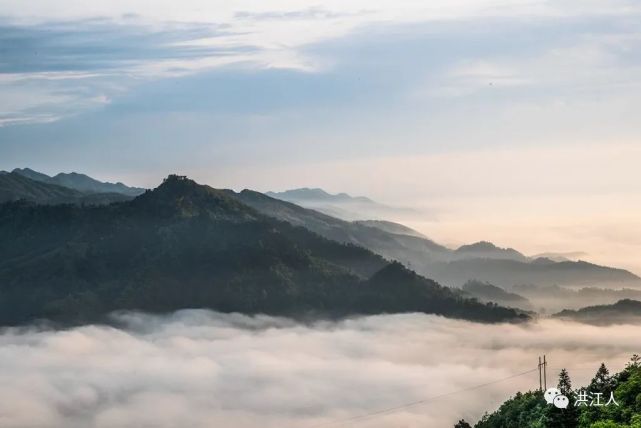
(565, 384)
(568, 417)
(462, 424)
(602, 382)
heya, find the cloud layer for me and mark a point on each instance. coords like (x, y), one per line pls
(203, 369)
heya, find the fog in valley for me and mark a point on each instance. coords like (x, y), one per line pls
(200, 369)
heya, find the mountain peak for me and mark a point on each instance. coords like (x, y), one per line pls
(478, 246)
(179, 196)
(30, 173)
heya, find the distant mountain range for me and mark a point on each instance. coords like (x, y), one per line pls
(64, 188)
(184, 245)
(80, 182)
(625, 311)
(16, 186)
(483, 261)
(317, 195)
(340, 205)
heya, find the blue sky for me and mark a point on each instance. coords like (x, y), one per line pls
(446, 104)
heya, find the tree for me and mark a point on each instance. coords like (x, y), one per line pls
(568, 417)
(462, 424)
(565, 384)
(601, 382)
(635, 362)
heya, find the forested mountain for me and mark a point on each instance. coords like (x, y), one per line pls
(185, 245)
(80, 182)
(529, 410)
(481, 261)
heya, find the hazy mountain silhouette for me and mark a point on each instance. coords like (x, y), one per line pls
(507, 273)
(14, 187)
(624, 311)
(487, 292)
(391, 227)
(554, 298)
(487, 250)
(340, 205)
(184, 245)
(413, 251)
(316, 194)
(481, 261)
(80, 182)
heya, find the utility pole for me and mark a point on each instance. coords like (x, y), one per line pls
(545, 374)
(540, 380)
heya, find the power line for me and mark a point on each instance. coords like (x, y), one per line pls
(418, 403)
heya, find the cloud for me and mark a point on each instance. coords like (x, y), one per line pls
(124, 43)
(56, 69)
(203, 369)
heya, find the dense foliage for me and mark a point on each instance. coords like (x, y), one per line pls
(529, 410)
(183, 245)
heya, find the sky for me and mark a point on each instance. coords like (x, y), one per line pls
(202, 369)
(511, 121)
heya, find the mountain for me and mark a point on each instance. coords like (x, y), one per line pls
(184, 245)
(340, 205)
(487, 292)
(391, 227)
(561, 257)
(80, 182)
(624, 311)
(14, 187)
(410, 250)
(316, 195)
(487, 250)
(508, 273)
(554, 298)
(481, 261)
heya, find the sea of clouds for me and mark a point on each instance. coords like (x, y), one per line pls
(205, 369)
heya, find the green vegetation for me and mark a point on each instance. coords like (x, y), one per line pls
(184, 245)
(529, 410)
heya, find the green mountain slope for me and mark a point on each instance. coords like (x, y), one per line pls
(529, 410)
(184, 245)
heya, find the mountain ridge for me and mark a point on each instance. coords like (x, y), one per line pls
(80, 182)
(185, 245)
